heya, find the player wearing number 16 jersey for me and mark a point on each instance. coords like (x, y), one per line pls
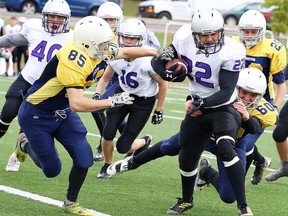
(44, 38)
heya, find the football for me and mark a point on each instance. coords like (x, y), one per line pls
(181, 65)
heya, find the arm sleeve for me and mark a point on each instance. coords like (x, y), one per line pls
(13, 40)
(279, 78)
(252, 126)
(227, 83)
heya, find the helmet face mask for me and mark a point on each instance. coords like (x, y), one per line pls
(253, 82)
(132, 28)
(205, 23)
(94, 35)
(251, 28)
(55, 16)
(111, 13)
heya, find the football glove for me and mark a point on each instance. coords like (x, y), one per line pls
(157, 117)
(165, 53)
(96, 96)
(197, 102)
(120, 99)
(172, 75)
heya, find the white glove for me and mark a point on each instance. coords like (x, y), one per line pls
(165, 53)
(120, 99)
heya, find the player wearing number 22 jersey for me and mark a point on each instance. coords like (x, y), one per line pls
(214, 62)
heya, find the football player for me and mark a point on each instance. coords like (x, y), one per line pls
(49, 109)
(113, 15)
(270, 56)
(136, 77)
(44, 37)
(214, 62)
(256, 113)
(280, 134)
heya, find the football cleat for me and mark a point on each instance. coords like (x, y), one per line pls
(259, 170)
(180, 207)
(99, 154)
(282, 171)
(244, 211)
(20, 154)
(103, 172)
(75, 208)
(120, 166)
(13, 164)
(200, 180)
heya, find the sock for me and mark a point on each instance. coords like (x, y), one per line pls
(258, 158)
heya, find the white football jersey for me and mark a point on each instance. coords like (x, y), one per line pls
(12, 29)
(135, 77)
(203, 71)
(42, 47)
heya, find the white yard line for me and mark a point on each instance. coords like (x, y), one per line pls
(40, 198)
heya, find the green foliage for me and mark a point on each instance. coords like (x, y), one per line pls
(280, 16)
(130, 8)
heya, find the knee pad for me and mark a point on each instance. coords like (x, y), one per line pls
(10, 109)
(226, 148)
(122, 149)
(280, 133)
(51, 170)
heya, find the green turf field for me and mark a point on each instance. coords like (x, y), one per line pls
(147, 191)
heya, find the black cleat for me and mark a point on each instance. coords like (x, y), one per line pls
(180, 207)
(200, 180)
(103, 172)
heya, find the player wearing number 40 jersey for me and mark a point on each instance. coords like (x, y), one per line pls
(44, 38)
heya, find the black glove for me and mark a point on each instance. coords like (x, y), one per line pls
(197, 102)
(172, 75)
(96, 96)
(165, 53)
(120, 99)
(157, 117)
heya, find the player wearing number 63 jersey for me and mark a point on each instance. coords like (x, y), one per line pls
(44, 38)
(214, 62)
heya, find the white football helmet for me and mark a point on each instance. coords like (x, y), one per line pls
(206, 22)
(22, 20)
(132, 28)
(94, 35)
(111, 10)
(56, 8)
(252, 80)
(252, 19)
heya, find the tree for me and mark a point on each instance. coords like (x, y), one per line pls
(279, 22)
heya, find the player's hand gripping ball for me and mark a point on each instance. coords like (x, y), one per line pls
(176, 70)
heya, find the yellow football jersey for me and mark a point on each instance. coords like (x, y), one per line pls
(70, 67)
(269, 55)
(266, 114)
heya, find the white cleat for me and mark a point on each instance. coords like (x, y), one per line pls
(13, 164)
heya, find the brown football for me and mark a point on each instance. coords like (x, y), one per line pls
(181, 64)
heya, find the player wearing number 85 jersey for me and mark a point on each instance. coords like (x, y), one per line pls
(44, 38)
(51, 104)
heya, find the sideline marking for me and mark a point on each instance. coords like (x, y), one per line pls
(40, 198)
